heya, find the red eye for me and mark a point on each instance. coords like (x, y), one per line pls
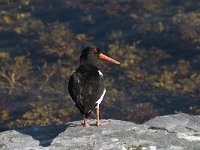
(95, 50)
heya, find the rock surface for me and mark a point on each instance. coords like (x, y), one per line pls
(173, 132)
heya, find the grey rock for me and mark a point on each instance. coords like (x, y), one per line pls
(172, 132)
(175, 123)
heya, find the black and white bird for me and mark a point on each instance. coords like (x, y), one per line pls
(86, 85)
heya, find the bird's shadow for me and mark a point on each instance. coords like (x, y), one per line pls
(44, 134)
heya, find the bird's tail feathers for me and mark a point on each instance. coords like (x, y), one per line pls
(83, 111)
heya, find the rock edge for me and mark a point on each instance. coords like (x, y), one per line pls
(172, 132)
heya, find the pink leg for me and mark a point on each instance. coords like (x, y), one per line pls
(97, 116)
(98, 123)
(84, 124)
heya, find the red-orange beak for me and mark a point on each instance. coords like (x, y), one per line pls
(102, 56)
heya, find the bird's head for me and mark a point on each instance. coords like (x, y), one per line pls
(91, 55)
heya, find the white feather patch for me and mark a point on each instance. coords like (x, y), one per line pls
(101, 98)
(100, 73)
(73, 71)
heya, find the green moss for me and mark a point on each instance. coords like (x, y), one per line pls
(155, 72)
(134, 147)
(2, 145)
(193, 130)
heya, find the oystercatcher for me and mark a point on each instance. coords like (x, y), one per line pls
(86, 84)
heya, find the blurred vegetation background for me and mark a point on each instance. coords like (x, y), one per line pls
(157, 43)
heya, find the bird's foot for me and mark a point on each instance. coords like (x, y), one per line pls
(83, 124)
(86, 124)
(98, 123)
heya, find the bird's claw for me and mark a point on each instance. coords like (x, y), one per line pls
(83, 125)
(98, 123)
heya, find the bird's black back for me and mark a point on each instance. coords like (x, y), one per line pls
(85, 87)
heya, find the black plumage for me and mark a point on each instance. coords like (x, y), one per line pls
(86, 87)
